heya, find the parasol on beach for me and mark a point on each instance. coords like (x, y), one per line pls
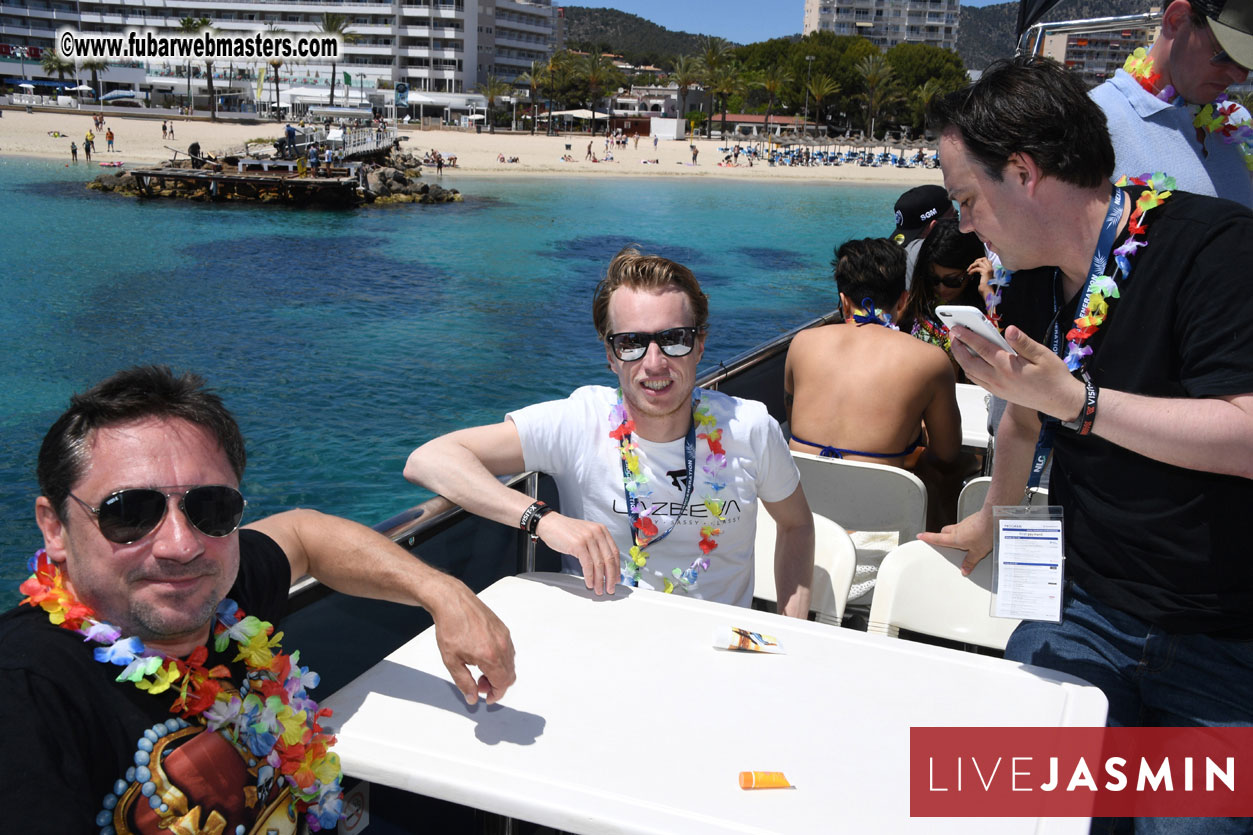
(26, 86)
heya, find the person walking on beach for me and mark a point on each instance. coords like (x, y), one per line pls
(164, 129)
(87, 146)
(695, 153)
(655, 138)
(73, 151)
(171, 129)
(108, 138)
(588, 155)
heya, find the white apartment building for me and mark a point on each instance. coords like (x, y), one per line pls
(886, 23)
(441, 49)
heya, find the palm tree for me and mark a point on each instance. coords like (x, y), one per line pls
(53, 64)
(95, 66)
(598, 72)
(726, 81)
(715, 52)
(821, 86)
(774, 80)
(687, 74)
(881, 90)
(556, 69)
(493, 89)
(336, 26)
(532, 82)
(190, 26)
(920, 100)
(275, 62)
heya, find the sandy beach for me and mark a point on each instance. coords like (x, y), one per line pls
(137, 140)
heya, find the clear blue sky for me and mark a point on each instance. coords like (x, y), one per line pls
(741, 21)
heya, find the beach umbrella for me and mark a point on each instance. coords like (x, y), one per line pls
(82, 88)
(26, 86)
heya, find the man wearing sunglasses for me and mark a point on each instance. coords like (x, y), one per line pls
(659, 481)
(1167, 110)
(144, 602)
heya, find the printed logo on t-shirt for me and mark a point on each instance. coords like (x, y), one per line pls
(696, 510)
(678, 478)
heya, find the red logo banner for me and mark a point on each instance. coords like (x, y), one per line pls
(1081, 772)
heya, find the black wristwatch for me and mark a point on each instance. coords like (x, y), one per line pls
(531, 516)
(1082, 425)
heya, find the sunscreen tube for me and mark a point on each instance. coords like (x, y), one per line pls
(763, 780)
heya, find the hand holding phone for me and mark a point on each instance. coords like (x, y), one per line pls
(972, 319)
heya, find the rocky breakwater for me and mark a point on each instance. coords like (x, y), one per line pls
(397, 180)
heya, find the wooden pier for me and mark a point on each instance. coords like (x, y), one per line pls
(340, 187)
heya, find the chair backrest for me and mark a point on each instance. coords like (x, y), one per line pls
(972, 496)
(972, 402)
(921, 588)
(976, 490)
(864, 497)
(834, 559)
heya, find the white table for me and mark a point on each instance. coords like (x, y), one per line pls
(624, 719)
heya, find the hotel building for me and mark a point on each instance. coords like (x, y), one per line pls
(886, 23)
(441, 49)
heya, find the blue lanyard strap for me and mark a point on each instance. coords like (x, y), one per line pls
(689, 455)
(1100, 258)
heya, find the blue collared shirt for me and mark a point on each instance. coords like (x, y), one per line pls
(1151, 135)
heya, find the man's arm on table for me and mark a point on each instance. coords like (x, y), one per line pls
(462, 467)
(793, 552)
(356, 560)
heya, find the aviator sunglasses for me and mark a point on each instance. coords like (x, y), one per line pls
(673, 342)
(129, 515)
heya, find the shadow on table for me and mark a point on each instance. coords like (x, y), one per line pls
(493, 723)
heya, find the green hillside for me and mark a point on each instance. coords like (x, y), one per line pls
(638, 40)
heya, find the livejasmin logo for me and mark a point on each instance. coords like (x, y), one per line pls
(1081, 772)
(1021, 771)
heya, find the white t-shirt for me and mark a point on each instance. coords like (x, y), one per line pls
(569, 440)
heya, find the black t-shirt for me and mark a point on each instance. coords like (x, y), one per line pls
(1163, 543)
(71, 731)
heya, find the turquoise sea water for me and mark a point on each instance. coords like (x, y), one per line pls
(341, 340)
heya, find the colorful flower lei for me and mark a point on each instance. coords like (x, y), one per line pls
(1092, 315)
(271, 717)
(644, 529)
(1217, 117)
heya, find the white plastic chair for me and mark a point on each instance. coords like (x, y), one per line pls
(972, 402)
(864, 497)
(921, 588)
(834, 559)
(975, 492)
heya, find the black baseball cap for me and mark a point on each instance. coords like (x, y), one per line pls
(918, 207)
(1231, 21)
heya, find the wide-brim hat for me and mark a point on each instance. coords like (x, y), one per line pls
(1231, 21)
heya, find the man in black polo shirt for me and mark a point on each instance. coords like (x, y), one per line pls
(1145, 391)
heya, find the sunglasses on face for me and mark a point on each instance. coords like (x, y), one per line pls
(673, 342)
(1220, 58)
(129, 515)
(951, 281)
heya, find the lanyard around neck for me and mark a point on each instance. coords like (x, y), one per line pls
(689, 455)
(1100, 258)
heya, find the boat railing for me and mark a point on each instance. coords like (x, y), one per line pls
(715, 377)
(1035, 34)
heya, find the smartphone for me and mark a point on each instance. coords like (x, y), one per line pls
(972, 318)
